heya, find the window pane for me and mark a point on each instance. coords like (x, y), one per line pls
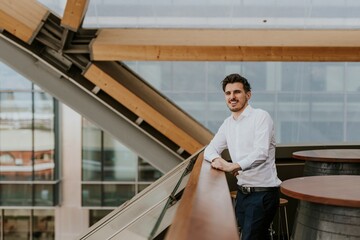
(44, 137)
(353, 77)
(44, 195)
(265, 101)
(15, 195)
(16, 224)
(301, 118)
(193, 102)
(97, 215)
(148, 172)
(142, 187)
(11, 80)
(43, 225)
(44, 162)
(188, 76)
(115, 195)
(91, 195)
(16, 136)
(91, 152)
(353, 118)
(44, 111)
(119, 162)
(57, 191)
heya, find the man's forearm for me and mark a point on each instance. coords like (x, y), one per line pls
(221, 164)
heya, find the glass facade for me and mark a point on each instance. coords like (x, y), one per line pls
(28, 161)
(269, 14)
(311, 103)
(28, 176)
(111, 173)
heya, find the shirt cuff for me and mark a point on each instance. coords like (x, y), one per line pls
(211, 157)
(244, 164)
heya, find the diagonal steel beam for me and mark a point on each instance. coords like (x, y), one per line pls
(63, 88)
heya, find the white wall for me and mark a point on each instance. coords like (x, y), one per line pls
(70, 219)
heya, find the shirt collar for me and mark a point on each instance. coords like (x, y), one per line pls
(247, 111)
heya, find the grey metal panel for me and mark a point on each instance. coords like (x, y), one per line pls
(64, 89)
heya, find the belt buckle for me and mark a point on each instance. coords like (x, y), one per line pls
(245, 190)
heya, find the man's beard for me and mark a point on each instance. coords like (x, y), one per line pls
(237, 109)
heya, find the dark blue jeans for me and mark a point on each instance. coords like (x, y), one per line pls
(255, 213)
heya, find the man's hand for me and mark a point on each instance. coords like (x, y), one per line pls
(223, 165)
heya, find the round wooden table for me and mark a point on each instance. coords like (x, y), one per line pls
(329, 206)
(330, 161)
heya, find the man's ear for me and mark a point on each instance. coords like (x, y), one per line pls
(248, 95)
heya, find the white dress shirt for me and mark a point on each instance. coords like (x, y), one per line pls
(250, 140)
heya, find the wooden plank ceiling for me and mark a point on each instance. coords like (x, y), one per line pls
(226, 45)
(23, 18)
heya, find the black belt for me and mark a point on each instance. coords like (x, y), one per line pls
(248, 190)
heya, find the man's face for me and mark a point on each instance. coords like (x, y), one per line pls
(235, 97)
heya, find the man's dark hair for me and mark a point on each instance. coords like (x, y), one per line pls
(233, 78)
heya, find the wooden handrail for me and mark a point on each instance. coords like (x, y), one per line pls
(205, 210)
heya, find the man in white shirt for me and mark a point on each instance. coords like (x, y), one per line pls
(249, 136)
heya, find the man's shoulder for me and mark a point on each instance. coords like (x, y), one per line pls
(258, 112)
(226, 120)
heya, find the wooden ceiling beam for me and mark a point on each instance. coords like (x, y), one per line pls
(22, 18)
(225, 45)
(135, 104)
(74, 14)
(155, 99)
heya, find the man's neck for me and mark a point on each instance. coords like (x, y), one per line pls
(237, 114)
